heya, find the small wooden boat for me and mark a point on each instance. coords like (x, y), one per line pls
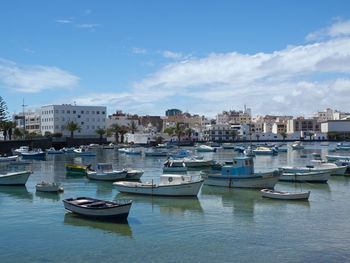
(35, 154)
(205, 148)
(156, 154)
(97, 208)
(311, 177)
(8, 158)
(52, 150)
(297, 146)
(168, 167)
(82, 151)
(76, 169)
(269, 193)
(133, 174)
(105, 172)
(170, 185)
(15, 178)
(52, 188)
(132, 151)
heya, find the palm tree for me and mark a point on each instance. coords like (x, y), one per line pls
(133, 127)
(284, 135)
(188, 133)
(115, 129)
(18, 133)
(310, 134)
(257, 137)
(158, 139)
(100, 132)
(234, 134)
(123, 131)
(179, 131)
(6, 127)
(72, 127)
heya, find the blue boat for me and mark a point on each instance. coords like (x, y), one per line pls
(35, 154)
(241, 174)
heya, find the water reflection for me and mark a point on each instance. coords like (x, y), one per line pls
(46, 195)
(167, 205)
(19, 192)
(241, 200)
(120, 227)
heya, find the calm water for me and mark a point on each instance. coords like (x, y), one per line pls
(221, 225)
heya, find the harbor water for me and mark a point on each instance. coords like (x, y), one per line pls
(221, 225)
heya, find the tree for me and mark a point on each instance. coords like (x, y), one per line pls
(158, 139)
(132, 127)
(3, 110)
(284, 135)
(6, 127)
(48, 134)
(257, 137)
(101, 132)
(169, 131)
(18, 132)
(310, 134)
(234, 134)
(123, 130)
(188, 132)
(115, 129)
(72, 127)
(179, 131)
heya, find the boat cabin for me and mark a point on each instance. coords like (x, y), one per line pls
(171, 179)
(104, 167)
(239, 166)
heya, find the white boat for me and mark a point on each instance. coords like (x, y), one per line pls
(297, 146)
(205, 148)
(228, 146)
(122, 150)
(285, 195)
(35, 154)
(169, 185)
(108, 147)
(105, 172)
(68, 149)
(20, 150)
(156, 154)
(93, 146)
(168, 167)
(133, 174)
(83, 151)
(15, 178)
(52, 150)
(45, 187)
(316, 155)
(264, 151)
(311, 177)
(192, 163)
(132, 151)
(91, 207)
(316, 166)
(8, 158)
(249, 151)
(241, 174)
(333, 158)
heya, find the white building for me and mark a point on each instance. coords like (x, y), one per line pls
(340, 126)
(32, 120)
(325, 115)
(89, 118)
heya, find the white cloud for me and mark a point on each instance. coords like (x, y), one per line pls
(137, 50)
(90, 26)
(64, 21)
(341, 28)
(296, 80)
(173, 55)
(34, 78)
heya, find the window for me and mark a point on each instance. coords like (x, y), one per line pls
(74, 112)
(78, 116)
(103, 112)
(62, 111)
(97, 112)
(82, 112)
(68, 111)
(62, 118)
(92, 112)
(87, 112)
(56, 111)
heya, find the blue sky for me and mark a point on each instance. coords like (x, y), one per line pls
(277, 57)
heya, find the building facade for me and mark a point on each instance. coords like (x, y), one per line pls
(54, 118)
(31, 119)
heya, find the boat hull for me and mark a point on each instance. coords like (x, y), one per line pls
(266, 180)
(18, 178)
(333, 171)
(134, 174)
(185, 189)
(107, 176)
(75, 170)
(115, 212)
(313, 177)
(285, 195)
(50, 189)
(41, 155)
(9, 158)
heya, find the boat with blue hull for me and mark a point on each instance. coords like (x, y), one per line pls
(241, 174)
(96, 208)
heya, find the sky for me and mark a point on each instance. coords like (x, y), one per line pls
(144, 57)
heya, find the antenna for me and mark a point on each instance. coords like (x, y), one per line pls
(24, 119)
